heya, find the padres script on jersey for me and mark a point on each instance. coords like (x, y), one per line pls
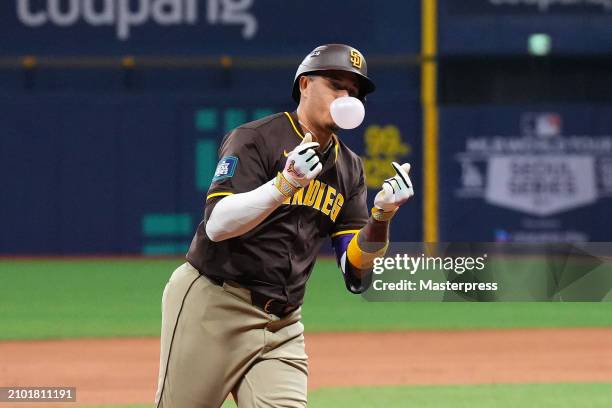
(277, 257)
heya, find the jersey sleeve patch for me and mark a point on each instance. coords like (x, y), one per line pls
(225, 168)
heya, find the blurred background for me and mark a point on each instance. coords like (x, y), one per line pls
(112, 112)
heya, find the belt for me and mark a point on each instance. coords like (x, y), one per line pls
(265, 303)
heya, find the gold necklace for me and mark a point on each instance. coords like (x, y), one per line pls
(316, 138)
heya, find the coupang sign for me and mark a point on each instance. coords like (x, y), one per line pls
(126, 14)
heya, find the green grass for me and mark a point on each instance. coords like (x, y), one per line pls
(499, 396)
(41, 299)
(102, 298)
(463, 396)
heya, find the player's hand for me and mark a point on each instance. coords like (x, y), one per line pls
(303, 163)
(395, 190)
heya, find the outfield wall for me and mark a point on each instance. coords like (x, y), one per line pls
(112, 113)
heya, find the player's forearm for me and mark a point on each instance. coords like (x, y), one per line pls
(237, 214)
(371, 242)
(374, 235)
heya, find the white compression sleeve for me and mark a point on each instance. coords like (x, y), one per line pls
(237, 214)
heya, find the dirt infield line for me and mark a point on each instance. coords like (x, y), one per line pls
(124, 370)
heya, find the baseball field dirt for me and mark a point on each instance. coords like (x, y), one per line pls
(124, 370)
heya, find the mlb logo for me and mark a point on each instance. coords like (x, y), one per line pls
(225, 168)
(541, 124)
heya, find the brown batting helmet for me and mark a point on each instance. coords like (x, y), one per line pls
(335, 57)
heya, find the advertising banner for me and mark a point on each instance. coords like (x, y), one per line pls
(204, 27)
(529, 7)
(526, 174)
(504, 27)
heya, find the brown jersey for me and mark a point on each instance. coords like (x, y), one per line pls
(276, 258)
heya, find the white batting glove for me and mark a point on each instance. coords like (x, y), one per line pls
(302, 165)
(395, 192)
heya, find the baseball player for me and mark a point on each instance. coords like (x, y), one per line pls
(284, 184)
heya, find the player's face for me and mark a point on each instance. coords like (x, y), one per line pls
(321, 91)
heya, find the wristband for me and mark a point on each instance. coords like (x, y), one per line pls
(380, 215)
(284, 186)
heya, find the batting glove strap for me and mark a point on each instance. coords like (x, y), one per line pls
(285, 186)
(380, 215)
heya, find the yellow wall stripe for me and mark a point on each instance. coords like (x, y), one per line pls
(344, 232)
(429, 103)
(293, 124)
(217, 195)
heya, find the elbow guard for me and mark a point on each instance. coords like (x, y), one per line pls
(355, 262)
(353, 283)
